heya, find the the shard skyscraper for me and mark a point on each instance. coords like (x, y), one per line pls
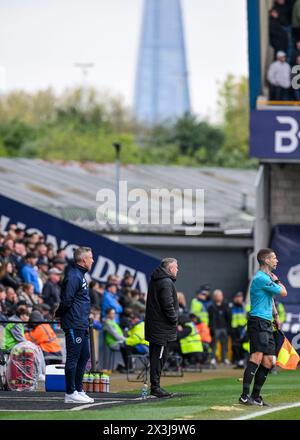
(161, 88)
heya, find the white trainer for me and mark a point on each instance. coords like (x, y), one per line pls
(75, 398)
(83, 394)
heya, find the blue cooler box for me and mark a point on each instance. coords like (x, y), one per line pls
(55, 378)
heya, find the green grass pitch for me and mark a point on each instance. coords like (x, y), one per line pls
(210, 400)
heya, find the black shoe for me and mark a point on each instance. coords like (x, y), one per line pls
(259, 401)
(246, 400)
(159, 392)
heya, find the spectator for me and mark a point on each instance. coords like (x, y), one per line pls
(238, 324)
(198, 306)
(96, 293)
(43, 269)
(5, 254)
(203, 329)
(27, 294)
(110, 301)
(277, 35)
(14, 333)
(125, 319)
(95, 315)
(3, 299)
(284, 9)
(44, 336)
(182, 309)
(296, 20)
(61, 253)
(32, 240)
(2, 316)
(279, 77)
(19, 253)
(135, 342)
(190, 342)
(127, 282)
(220, 325)
(7, 276)
(51, 290)
(28, 272)
(20, 234)
(59, 263)
(113, 333)
(205, 336)
(50, 252)
(41, 250)
(135, 303)
(11, 301)
(46, 312)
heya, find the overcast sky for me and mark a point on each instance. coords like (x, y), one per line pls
(40, 40)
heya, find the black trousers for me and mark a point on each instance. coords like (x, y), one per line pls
(158, 356)
(78, 354)
(220, 334)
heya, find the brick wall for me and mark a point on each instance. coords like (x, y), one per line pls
(285, 194)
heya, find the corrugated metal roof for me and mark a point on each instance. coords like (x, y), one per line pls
(68, 189)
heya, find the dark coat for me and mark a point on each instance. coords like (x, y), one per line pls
(161, 308)
(74, 308)
(51, 293)
(278, 36)
(219, 317)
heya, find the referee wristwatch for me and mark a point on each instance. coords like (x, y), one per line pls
(277, 281)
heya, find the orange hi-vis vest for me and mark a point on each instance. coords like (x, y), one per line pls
(204, 332)
(44, 336)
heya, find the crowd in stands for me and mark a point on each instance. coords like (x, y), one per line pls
(30, 278)
(284, 37)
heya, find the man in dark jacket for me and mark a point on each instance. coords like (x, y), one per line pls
(220, 325)
(51, 290)
(161, 319)
(74, 310)
(277, 35)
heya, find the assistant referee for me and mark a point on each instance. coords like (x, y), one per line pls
(264, 286)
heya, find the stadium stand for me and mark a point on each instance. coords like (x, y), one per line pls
(31, 272)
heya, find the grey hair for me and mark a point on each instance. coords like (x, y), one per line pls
(80, 253)
(165, 262)
(216, 291)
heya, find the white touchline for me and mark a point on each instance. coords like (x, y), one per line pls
(79, 408)
(268, 411)
(92, 405)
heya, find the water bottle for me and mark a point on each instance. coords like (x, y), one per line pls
(91, 383)
(85, 382)
(97, 383)
(105, 383)
(145, 392)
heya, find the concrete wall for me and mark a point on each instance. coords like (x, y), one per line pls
(285, 194)
(223, 263)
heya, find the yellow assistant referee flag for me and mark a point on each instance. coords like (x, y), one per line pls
(287, 357)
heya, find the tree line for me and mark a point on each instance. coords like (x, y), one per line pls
(77, 126)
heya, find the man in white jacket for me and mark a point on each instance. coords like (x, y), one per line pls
(279, 77)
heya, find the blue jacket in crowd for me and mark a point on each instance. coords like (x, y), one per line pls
(110, 302)
(74, 308)
(30, 275)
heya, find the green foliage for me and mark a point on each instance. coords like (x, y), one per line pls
(74, 126)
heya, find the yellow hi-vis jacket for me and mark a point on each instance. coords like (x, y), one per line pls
(191, 343)
(199, 309)
(136, 335)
